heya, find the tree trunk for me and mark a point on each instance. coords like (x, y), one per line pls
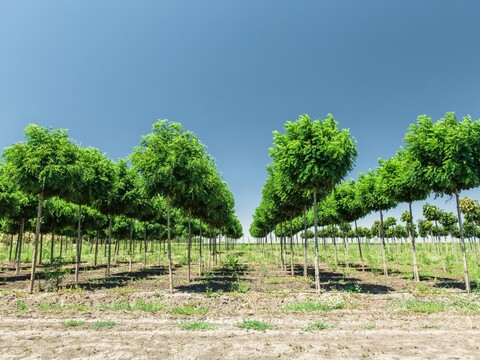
(35, 246)
(416, 275)
(189, 244)
(292, 270)
(169, 250)
(145, 244)
(40, 253)
(11, 248)
(315, 227)
(305, 243)
(96, 250)
(359, 247)
(462, 244)
(52, 246)
(19, 245)
(79, 244)
(109, 245)
(384, 250)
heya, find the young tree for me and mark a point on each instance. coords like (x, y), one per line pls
(44, 166)
(315, 156)
(448, 159)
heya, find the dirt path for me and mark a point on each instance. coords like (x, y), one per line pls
(353, 336)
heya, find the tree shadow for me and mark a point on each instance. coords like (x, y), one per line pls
(331, 281)
(122, 279)
(224, 279)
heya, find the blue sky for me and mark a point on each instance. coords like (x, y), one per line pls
(234, 71)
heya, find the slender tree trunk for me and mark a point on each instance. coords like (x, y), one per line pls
(61, 246)
(282, 260)
(305, 243)
(292, 270)
(359, 247)
(170, 264)
(416, 275)
(96, 249)
(334, 240)
(35, 246)
(462, 244)
(52, 246)
(384, 250)
(109, 244)
(189, 244)
(79, 244)
(130, 245)
(19, 245)
(315, 227)
(11, 248)
(145, 244)
(40, 253)
(345, 247)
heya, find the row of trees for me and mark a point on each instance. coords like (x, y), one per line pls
(441, 158)
(170, 170)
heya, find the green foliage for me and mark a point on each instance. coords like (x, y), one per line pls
(73, 323)
(313, 154)
(102, 324)
(189, 310)
(446, 153)
(330, 303)
(254, 325)
(195, 326)
(318, 325)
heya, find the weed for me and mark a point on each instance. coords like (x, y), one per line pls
(369, 326)
(189, 310)
(104, 324)
(318, 325)
(328, 304)
(254, 325)
(195, 325)
(73, 323)
(240, 287)
(21, 305)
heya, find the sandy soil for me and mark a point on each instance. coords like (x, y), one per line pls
(370, 323)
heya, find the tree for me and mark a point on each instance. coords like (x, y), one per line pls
(314, 156)
(43, 166)
(349, 207)
(373, 192)
(166, 161)
(448, 159)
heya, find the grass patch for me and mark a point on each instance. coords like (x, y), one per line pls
(318, 325)
(370, 326)
(328, 304)
(240, 287)
(21, 305)
(195, 326)
(121, 291)
(139, 305)
(255, 325)
(189, 310)
(73, 323)
(44, 306)
(102, 324)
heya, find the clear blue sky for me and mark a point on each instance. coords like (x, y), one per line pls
(233, 71)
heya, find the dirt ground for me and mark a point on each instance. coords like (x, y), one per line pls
(365, 316)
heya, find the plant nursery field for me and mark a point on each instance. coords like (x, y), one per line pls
(245, 307)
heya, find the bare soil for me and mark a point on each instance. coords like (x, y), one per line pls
(368, 324)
